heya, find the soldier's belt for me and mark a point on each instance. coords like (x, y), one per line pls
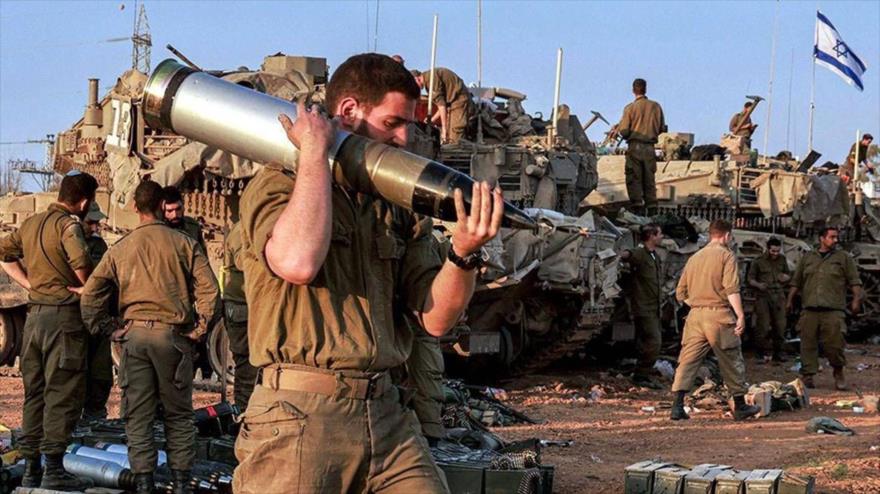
(327, 383)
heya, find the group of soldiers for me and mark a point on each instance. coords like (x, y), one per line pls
(327, 294)
(710, 286)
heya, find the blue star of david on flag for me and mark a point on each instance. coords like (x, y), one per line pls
(833, 53)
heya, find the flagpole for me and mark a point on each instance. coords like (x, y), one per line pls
(813, 84)
(772, 74)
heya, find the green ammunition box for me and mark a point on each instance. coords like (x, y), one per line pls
(463, 479)
(547, 473)
(763, 481)
(701, 480)
(222, 449)
(791, 484)
(731, 482)
(507, 481)
(669, 480)
(639, 477)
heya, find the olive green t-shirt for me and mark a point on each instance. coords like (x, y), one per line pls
(644, 281)
(52, 246)
(642, 121)
(449, 89)
(767, 271)
(823, 281)
(709, 277)
(381, 262)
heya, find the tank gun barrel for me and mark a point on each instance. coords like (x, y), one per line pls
(244, 122)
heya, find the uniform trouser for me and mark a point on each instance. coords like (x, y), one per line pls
(425, 372)
(710, 329)
(53, 363)
(648, 341)
(245, 374)
(640, 167)
(297, 442)
(157, 369)
(827, 327)
(99, 377)
(458, 118)
(770, 312)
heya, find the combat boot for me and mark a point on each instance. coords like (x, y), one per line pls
(143, 483)
(839, 379)
(181, 481)
(808, 381)
(56, 478)
(741, 411)
(33, 472)
(678, 412)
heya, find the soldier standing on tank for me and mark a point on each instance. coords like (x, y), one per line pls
(709, 284)
(644, 296)
(741, 125)
(769, 275)
(235, 318)
(99, 378)
(641, 123)
(162, 279)
(821, 278)
(328, 274)
(848, 169)
(453, 105)
(48, 255)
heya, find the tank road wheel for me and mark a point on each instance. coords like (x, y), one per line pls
(8, 339)
(218, 342)
(870, 316)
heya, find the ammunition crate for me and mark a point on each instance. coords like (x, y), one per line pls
(763, 481)
(701, 480)
(791, 484)
(669, 480)
(463, 479)
(639, 477)
(731, 482)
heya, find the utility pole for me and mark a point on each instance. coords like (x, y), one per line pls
(141, 41)
(43, 174)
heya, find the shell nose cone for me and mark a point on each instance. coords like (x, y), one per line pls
(517, 218)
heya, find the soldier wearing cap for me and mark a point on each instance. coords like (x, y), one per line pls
(48, 256)
(168, 299)
(328, 275)
(99, 379)
(821, 279)
(709, 284)
(453, 105)
(642, 122)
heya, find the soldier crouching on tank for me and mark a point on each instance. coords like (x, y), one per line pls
(160, 276)
(47, 256)
(328, 272)
(709, 284)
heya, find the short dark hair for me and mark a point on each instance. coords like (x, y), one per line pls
(148, 197)
(719, 227)
(648, 231)
(640, 86)
(868, 137)
(171, 194)
(368, 77)
(748, 104)
(825, 229)
(77, 186)
(774, 242)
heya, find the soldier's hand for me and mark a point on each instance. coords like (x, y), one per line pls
(740, 326)
(855, 307)
(475, 230)
(311, 131)
(76, 289)
(118, 335)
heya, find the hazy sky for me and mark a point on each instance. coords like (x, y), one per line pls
(700, 58)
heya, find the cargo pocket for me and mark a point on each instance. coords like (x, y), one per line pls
(183, 371)
(74, 347)
(271, 435)
(727, 338)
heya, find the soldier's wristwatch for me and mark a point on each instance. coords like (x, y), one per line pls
(468, 263)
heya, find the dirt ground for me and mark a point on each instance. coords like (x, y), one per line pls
(611, 433)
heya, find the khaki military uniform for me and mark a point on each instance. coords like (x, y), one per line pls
(51, 246)
(640, 125)
(324, 416)
(709, 277)
(99, 378)
(770, 303)
(746, 130)
(644, 298)
(235, 318)
(424, 369)
(823, 282)
(452, 93)
(193, 229)
(848, 168)
(160, 275)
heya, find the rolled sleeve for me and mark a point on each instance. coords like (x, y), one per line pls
(73, 241)
(681, 290)
(96, 299)
(11, 247)
(260, 211)
(421, 263)
(730, 276)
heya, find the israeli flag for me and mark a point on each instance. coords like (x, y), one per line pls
(831, 51)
